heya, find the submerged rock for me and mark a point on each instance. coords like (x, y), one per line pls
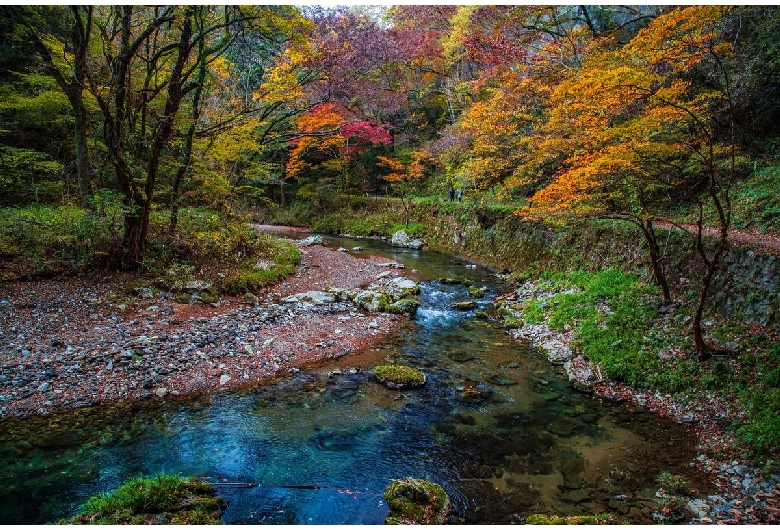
(417, 501)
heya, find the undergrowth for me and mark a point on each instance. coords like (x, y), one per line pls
(38, 241)
(615, 322)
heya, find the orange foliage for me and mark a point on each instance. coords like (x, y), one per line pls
(624, 125)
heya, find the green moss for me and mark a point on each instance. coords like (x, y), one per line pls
(416, 501)
(406, 306)
(164, 499)
(602, 518)
(209, 297)
(477, 292)
(397, 376)
(456, 281)
(411, 291)
(182, 298)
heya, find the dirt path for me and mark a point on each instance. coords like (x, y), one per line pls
(755, 241)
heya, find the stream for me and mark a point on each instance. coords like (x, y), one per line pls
(321, 446)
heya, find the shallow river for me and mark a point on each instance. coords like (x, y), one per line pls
(320, 446)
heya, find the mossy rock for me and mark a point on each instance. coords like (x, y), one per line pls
(473, 395)
(417, 501)
(456, 281)
(404, 306)
(477, 292)
(164, 499)
(400, 377)
(602, 518)
(464, 306)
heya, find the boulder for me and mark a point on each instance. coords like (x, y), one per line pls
(399, 377)
(417, 501)
(309, 241)
(312, 297)
(372, 300)
(400, 239)
(404, 306)
(581, 375)
(405, 285)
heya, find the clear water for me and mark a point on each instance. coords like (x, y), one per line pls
(320, 447)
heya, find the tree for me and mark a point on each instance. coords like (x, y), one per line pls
(404, 176)
(637, 132)
(150, 63)
(64, 54)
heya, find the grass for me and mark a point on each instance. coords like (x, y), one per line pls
(614, 322)
(612, 317)
(756, 203)
(163, 499)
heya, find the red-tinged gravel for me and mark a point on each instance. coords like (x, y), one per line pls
(72, 343)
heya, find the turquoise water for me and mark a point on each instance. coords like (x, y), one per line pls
(321, 446)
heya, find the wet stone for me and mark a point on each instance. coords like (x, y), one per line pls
(461, 356)
(501, 380)
(575, 497)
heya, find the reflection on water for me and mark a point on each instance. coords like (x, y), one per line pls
(496, 426)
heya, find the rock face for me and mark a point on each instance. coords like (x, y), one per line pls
(417, 501)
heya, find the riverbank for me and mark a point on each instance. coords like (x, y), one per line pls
(71, 343)
(748, 491)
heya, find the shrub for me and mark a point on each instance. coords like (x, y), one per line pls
(673, 484)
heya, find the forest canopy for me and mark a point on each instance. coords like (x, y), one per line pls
(633, 113)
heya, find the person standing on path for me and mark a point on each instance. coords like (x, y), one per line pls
(460, 194)
(452, 194)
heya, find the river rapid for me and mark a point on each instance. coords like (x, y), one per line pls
(320, 446)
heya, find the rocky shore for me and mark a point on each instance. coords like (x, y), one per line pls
(74, 343)
(745, 495)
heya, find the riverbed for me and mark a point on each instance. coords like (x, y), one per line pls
(499, 428)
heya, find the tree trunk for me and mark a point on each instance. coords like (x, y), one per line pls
(659, 274)
(72, 88)
(702, 349)
(133, 240)
(82, 160)
(187, 154)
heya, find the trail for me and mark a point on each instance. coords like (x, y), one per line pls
(755, 241)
